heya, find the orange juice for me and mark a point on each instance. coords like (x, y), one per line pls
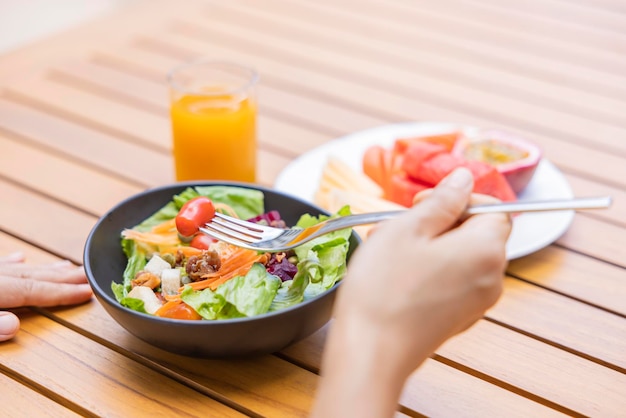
(214, 137)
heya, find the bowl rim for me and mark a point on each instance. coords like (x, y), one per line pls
(102, 295)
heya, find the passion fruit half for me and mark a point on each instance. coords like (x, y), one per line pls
(514, 157)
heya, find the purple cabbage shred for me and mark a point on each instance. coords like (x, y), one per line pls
(266, 218)
(283, 268)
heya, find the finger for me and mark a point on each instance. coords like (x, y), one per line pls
(9, 325)
(483, 238)
(56, 272)
(420, 196)
(497, 226)
(441, 209)
(480, 199)
(475, 199)
(16, 257)
(15, 292)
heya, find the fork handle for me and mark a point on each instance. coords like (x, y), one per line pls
(508, 207)
(542, 205)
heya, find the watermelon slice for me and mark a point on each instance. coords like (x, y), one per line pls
(434, 169)
(487, 179)
(417, 153)
(402, 189)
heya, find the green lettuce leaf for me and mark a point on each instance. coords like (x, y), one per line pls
(248, 203)
(330, 250)
(136, 262)
(205, 302)
(241, 296)
(292, 292)
(134, 304)
(118, 291)
(322, 262)
(253, 293)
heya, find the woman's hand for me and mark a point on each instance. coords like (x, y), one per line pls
(24, 284)
(418, 280)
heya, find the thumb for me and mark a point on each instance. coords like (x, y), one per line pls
(9, 325)
(441, 209)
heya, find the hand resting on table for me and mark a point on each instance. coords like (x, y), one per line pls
(44, 285)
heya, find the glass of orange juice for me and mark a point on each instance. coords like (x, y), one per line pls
(213, 113)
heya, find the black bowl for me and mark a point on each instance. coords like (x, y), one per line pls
(105, 262)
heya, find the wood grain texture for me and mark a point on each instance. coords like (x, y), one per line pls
(17, 398)
(84, 124)
(50, 355)
(258, 384)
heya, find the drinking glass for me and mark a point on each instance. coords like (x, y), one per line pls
(213, 115)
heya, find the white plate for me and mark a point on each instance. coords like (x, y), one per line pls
(531, 231)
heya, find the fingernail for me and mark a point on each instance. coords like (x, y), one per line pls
(16, 256)
(9, 325)
(460, 178)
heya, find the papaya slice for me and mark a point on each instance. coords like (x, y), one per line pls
(374, 164)
(447, 140)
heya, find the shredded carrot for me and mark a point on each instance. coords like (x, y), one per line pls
(170, 238)
(224, 208)
(172, 298)
(238, 272)
(239, 259)
(166, 226)
(235, 261)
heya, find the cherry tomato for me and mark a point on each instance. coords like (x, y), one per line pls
(194, 214)
(201, 241)
(179, 311)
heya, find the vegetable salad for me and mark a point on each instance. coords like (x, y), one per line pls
(195, 277)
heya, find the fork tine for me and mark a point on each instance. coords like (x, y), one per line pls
(233, 234)
(224, 219)
(226, 227)
(226, 238)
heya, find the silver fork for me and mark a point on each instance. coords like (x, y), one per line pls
(266, 238)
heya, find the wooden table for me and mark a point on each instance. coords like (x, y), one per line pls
(84, 124)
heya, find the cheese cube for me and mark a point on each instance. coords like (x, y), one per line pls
(156, 265)
(150, 301)
(170, 281)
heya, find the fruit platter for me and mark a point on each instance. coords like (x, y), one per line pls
(384, 167)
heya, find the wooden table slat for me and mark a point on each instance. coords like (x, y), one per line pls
(472, 24)
(59, 183)
(21, 398)
(397, 108)
(78, 142)
(575, 275)
(334, 15)
(504, 109)
(84, 124)
(553, 95)
(51, 355)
